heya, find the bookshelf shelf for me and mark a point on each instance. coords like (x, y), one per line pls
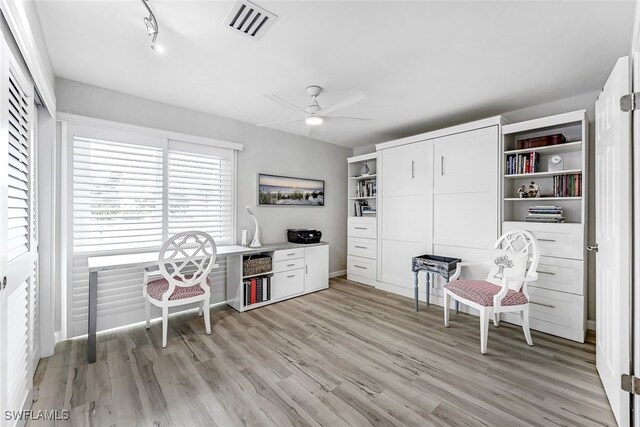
(257, 305)
(268, 273)
(539, 199)
(362, 198)
(567, 147)
(363, 177)
(543, 174)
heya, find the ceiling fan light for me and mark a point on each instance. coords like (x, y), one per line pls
(157, 47)
(313, 120)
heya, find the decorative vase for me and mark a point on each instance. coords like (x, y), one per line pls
(365, 169)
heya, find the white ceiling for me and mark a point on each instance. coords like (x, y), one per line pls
(420, 64)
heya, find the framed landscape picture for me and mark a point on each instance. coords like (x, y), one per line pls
(275, 190)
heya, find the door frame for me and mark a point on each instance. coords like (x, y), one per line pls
(635, 183)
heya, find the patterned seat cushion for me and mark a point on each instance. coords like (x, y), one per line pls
(482, 292)
(157, 287)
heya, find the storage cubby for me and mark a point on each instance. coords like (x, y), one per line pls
(362, 186)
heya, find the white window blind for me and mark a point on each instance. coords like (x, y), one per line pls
(19, 171)
(129, 192)
(117, 196)
(199, 190)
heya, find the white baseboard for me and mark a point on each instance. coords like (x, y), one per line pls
(337, 273)
(591, 325)
(57, 337)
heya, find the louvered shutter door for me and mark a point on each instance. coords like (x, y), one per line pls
(18, 191)
(200, 190)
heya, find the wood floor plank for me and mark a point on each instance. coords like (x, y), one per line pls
(347, 356)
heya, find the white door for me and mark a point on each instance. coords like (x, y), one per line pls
(404, 169)
(316, 259)
(613, 227)
(18, 248)
(635, 49)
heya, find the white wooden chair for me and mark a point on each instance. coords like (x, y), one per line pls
(510, 295)
(184, 263)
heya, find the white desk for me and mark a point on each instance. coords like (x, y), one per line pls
(149, 259)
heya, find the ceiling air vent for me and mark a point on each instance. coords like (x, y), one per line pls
(249, 19)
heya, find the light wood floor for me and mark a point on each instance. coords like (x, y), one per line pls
(350, 355)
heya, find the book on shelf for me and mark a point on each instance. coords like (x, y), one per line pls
(567, 185)
(518, 164)
(553, 214)
(366, 188)
(256, 290)
(362, 208)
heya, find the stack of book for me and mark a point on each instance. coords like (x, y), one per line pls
(367, 211)
(257, 289)
(552, 214)
(362, 208)
(567, 185)
(523, 163)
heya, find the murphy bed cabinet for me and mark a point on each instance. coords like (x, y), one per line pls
(438, 193)
(558, 297)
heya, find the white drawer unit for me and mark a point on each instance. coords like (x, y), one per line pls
(553, 312)
(362, 267)
(288, 254)
(555, 240)
(362, 227)
(288, 283)
(559, 274)
(288, 264)
(365, 248)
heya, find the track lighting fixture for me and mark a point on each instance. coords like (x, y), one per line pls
(152, 28)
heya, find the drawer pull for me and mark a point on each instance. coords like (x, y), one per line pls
(291, 254)
(361, 247)
(546, 272)
(290, 276)
(546, 240)
(360, 228)
(543, 305)
(291, 265)
(359, 266)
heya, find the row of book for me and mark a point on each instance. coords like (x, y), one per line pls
(567, 185)
(523, 163)
(363, 209)
(366, 188)
(257, 289)
(553, 214)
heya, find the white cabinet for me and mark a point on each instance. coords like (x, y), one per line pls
(405, 170)
(404, 214)
(316, 260)
(362, 226)
(288, 283)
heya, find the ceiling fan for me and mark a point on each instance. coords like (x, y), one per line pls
(315, 115)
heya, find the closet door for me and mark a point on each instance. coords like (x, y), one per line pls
(404, 219)
(18, 250)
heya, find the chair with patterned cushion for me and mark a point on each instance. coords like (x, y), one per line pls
(184, 264)
(514, 262)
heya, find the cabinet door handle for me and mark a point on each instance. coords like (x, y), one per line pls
(442, 165)
(291, 254)
(359, 266)
(306, 269)
(546, 240)
(413, 169)
(543, 305)
(360, 247)
(290, 276)
(546, 272)
(290, 265)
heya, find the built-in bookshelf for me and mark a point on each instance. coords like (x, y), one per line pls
(362, 186)
(560, 184)
(557, 218)
(362, 194)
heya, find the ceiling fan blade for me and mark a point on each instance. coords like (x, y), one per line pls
(280, 122)
(347, 118)
(283, 102)
(349, 98)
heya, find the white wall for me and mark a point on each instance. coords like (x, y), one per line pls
(265, 150)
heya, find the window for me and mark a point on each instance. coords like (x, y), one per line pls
(125, 199)
(128, 190)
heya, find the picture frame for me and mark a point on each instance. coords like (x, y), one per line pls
(279, 190)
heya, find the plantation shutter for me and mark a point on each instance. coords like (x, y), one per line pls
(117, 196)
(19, 170)
(199, 190)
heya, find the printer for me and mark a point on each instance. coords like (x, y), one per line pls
(303, 235)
